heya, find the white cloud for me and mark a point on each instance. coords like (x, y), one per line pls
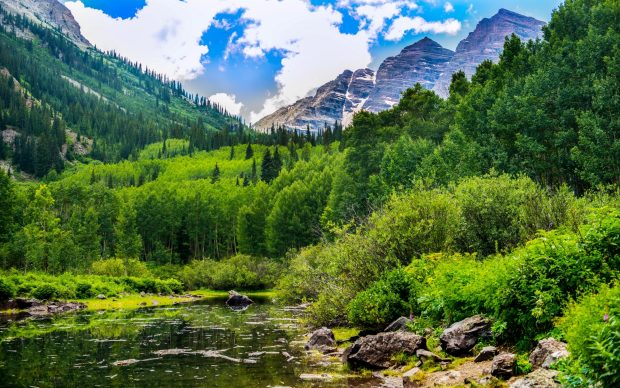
(166, 35)
(448, 7)
(404, 24)
(228, 102)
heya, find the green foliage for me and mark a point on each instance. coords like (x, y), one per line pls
(238, 272)
(418, 222)
(592, 332)
(7, 289)
(45, 292)
(500, 213)
(392, 296)
(119, 267)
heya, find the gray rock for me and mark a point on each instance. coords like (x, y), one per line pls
(548, 352)
(398, 325)
(377, 351)
(421, 62)
(236, 300)
(540, 378)
(504, 365)
(487, 353)
(461, 337)
(322, 339)
(101, 296)
(51, 13)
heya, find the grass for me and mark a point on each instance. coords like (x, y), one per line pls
(344, 334)
(135, 301)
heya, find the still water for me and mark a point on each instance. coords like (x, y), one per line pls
(204, 344)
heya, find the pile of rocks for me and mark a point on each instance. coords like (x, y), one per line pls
(378, 351)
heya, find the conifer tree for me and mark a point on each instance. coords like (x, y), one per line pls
(267, 167)
(249, 152)
(216, 174)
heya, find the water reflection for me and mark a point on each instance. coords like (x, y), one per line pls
(203, 344)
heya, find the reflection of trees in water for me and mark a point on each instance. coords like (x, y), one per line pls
(80, 349)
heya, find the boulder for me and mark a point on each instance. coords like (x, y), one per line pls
(322, 340)
(487, 353)
(504, 365)
(101, 296)
(548, 352)
(377, 351)
(540, 378)
(461, 337)
(398, 325)
(236, 300)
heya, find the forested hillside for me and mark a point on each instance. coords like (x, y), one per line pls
(501, 200)
(49, 86)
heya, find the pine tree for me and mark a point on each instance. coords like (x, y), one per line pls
(276, 163)
(267, 167)
(216, 174)
(232, 153)
(254, 175)
(249, 152)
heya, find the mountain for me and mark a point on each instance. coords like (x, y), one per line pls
(50, 13)
(420, 63)
(486, 42)
(425, 62)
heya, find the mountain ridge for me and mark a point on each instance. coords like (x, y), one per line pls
(425, 62)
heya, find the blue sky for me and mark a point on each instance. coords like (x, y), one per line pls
(254, 56)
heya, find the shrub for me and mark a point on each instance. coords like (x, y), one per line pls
(238, 272)
(500, 212)
(45, 292)
(84, 291)
(591, 328)
(422, 221)
(7, 289)
(393, 296)
(120, 268)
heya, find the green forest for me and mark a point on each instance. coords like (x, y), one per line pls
(502, 200)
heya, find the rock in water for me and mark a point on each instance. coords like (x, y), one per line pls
(548, 352)
(398, 325)
(377, 351)
(504, 365)
(487, 353)
(461, 337)
(238, 301)
(323, 340)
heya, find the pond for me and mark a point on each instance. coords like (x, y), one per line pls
(203, 344)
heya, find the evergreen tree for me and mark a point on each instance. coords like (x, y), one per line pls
(215, 176)
(276, 163)
(267, 167)
(232, 153)
(249, 152)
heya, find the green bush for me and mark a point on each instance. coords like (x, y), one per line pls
(120, 268)
(45, 292)
(7, 289)
(84, 291)
(393, 296)
(591, 328)
(237, 272)
(501, 213)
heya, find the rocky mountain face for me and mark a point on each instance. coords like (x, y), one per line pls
(486, 42)
(51, 13)
(425, 62)
(422, 63)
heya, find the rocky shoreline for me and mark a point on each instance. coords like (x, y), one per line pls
(460, 362)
